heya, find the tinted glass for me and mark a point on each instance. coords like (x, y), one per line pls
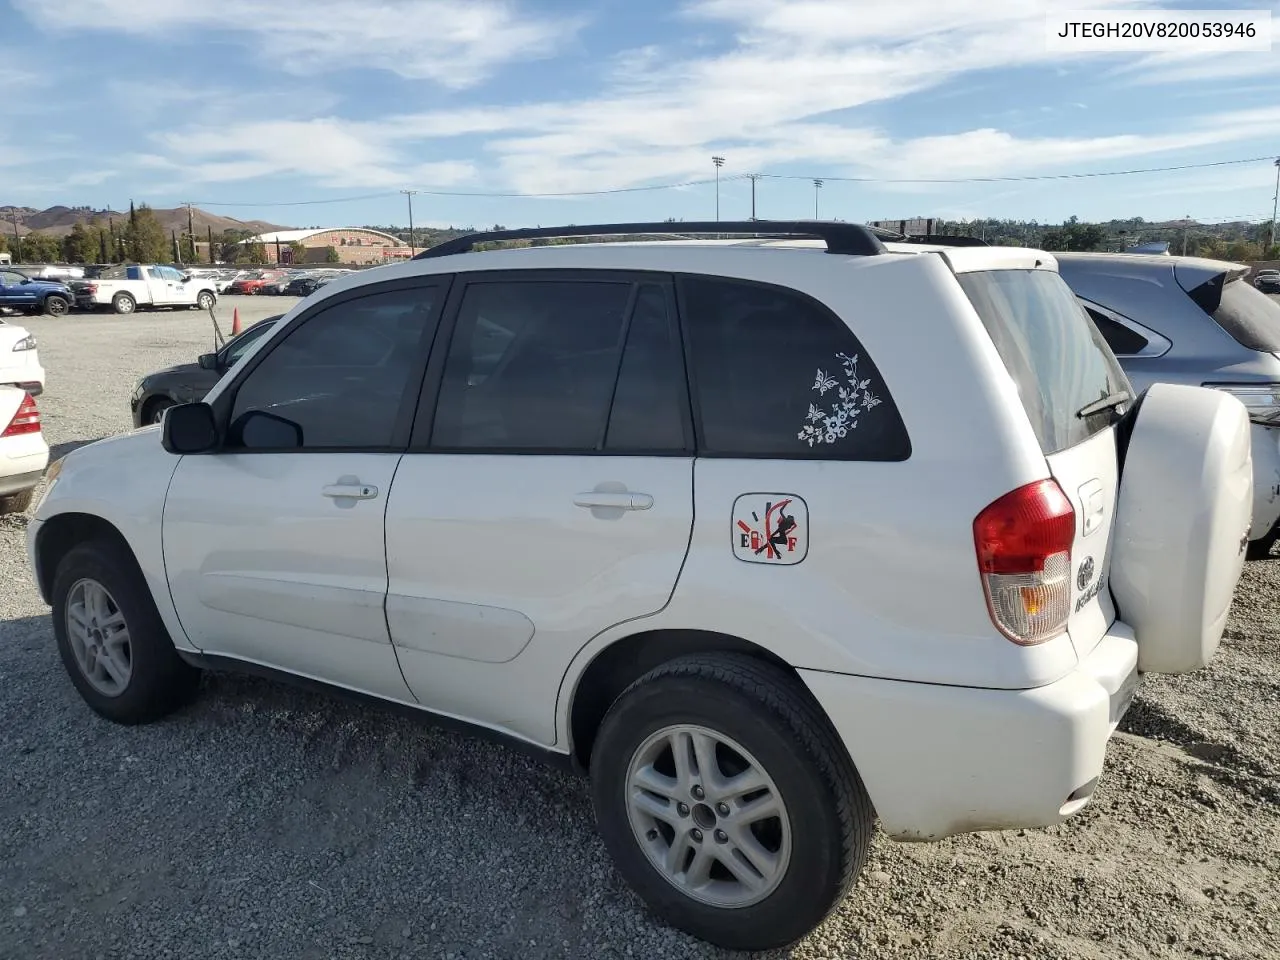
(531, 365)
(343, 373)
(1058, 360)
(1119, 338)
(237, 347)
(649, 400)
(1250, 316)
(779, 375)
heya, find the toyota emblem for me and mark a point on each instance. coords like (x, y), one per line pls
(1085, 576)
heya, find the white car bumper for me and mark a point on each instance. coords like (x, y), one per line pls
(22, 368)
(939, 760)
(22, 462)
(1266, 480)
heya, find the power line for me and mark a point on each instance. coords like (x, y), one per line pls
(753, 177)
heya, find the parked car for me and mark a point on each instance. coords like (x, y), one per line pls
(227, 278)
(24, 454)
(157, 392)
(278, 285)
(1175, 319)
(20, 359)
(27, 295)
(714, 522)
(1268, 281)
(130, 286)
(253, 283)
(305, 286)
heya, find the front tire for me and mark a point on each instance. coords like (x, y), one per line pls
(727, 802)
(153, 412)
(123, 303)
(56, 306)
(113, 643)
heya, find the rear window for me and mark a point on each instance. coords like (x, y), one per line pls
(1249, 315)
(1057, 358)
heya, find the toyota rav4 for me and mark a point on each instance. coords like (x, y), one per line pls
(775, 534)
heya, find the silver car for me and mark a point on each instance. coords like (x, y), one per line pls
(1196, 321)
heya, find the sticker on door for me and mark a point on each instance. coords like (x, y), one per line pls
(770, 528)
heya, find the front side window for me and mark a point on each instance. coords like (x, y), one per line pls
(343, 374)
(532, 365)
(778, 375)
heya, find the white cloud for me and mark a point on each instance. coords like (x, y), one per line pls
(454, 42)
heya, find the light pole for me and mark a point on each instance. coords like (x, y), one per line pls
(753, 177)
(1274, 201)
(817, 186)
(409, 195)
(719, 162)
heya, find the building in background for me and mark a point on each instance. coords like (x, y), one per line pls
(353, 244)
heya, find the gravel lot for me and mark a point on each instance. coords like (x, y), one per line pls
(265, 822)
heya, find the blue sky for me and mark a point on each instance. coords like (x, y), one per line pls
(242, 104)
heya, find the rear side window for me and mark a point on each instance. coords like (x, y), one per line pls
(778, 375)
(1058, 360)
(1121, 340)
(1249, 315)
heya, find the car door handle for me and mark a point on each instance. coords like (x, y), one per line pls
(618, 501)
(350, 491)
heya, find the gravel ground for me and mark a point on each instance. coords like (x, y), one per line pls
(266, 822)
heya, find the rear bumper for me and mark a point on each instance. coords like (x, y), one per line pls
(1266, 480)
(939, 760)
(17, 482)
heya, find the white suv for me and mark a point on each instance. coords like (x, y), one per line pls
(773, 537)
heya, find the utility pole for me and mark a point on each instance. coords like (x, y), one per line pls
(1274, 201)
(719, 162)
(409, 194)
(817, 186)
(17, 240)
(191, 230)
(753, 177)
(209, 226)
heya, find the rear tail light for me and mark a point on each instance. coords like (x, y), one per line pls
(1262, 400)
(90, 288)
(26, 420)
(1024, 556)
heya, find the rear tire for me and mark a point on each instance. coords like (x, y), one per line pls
(147, 679)
(205, 301)
(16, 502)
(123, 303)
(760, 721)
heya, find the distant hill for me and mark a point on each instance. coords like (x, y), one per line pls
(58, 221)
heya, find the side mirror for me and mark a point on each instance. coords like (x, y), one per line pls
(208, 361)
(189, 428)
(259, 430)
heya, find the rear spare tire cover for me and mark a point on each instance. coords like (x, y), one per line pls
(1182, 523)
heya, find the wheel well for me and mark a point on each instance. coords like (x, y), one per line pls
(149, 406)
(621, 663)
(60, 534)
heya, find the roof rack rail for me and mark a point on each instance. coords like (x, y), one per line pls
(851, 239)
(931, 239)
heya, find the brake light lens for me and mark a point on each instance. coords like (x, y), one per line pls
(1024, 544)
(26, 420)
(1262, 400)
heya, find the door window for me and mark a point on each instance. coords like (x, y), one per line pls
(532, 366)
(342, 375)
(778, 375)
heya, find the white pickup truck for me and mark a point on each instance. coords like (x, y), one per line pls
(130, 286)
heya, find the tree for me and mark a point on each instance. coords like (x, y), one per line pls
(299, 251)
(253, 253)
(79, 246)
(331, 255)
(40, 248)
(144, 238)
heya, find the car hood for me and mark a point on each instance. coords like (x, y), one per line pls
(179, 370)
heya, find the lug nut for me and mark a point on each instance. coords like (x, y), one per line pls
(721, 837)
(696, 834)
(682, 809)
(698, 793)
(722, 809)
(651, 835)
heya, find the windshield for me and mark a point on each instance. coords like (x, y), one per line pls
(1052, 350)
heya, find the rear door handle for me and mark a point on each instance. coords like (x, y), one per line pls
(350, 491)
(616, 501)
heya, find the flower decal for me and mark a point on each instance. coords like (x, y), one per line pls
(852, 398)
